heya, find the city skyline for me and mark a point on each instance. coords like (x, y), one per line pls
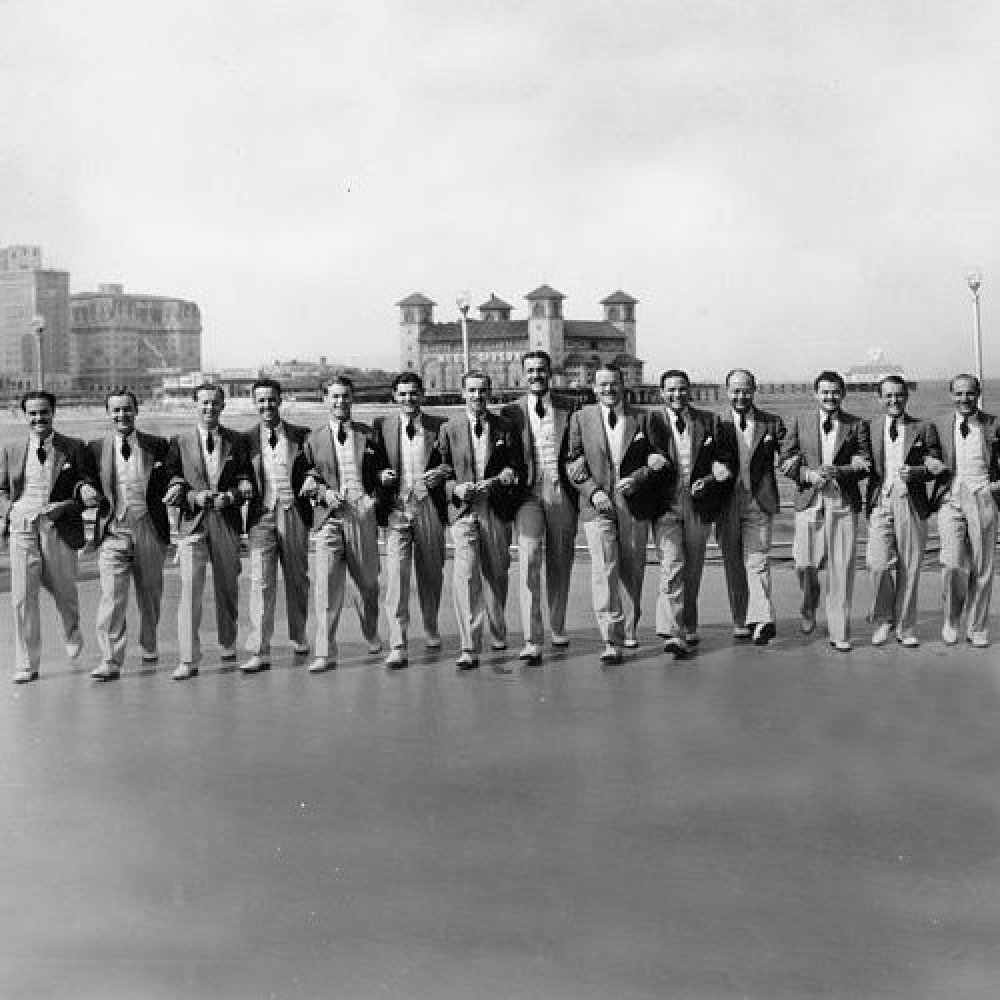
(779, 185)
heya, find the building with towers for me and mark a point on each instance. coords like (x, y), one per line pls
(497, 341)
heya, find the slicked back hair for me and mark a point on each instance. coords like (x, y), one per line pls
(538, 355)
(344, 380)
(477, 374)
(830, 376)
(265, 383)
(209, 387)
(674, 373)
(894, 380)
(411, 377)
(49, 397)
(745, 371)
(610, 366)
(121, 390)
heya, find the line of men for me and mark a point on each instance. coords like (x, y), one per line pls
(674, 473)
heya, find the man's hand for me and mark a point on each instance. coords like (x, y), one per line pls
(507, 477)
(220, 501)
(934, 465)
(465, 491)
(245, 489)
(627, 486)
(310, 488)
(910, 473)
(202, 499)
(172, 497)
(720, 472)
(88, 495)
(434, 477)
(860, 464)
(656, 462)
(602, 502)
(387, 477)
(698, 486)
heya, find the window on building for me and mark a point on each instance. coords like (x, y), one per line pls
(538, 310)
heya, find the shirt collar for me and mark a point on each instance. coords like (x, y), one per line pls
(265, 431)
(203, 433)
(748, 415)
(335, 425)
(685, 413)
(42, 442)
(833, 417)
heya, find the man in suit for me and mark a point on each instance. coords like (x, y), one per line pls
(547, 517)
(610, 463)
(704, 479)
(897, 506)
(412, 510)
(966, 501)
(743, 527)
(483, 452)
(132, 531)
(278, 522)
(826, 454)
(344, 460)
(211, 479)
(45, 482)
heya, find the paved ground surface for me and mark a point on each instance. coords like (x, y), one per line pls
(780, 823)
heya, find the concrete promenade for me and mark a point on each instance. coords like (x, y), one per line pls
(787, 822)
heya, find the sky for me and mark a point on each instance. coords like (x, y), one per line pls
(783, 185)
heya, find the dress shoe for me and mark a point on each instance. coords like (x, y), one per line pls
(106, 672)
(375, 647)
(184, 671)
(676, 646)
(631, 642)
(300, 648)
(808, 625)
(742, 632)
(74, 647)
(611, 654)
(432, 640)
(321, 664)
(559, 640)
(150, 656)
(908, 641)
(227, 654)
(498, 645)
(467, 660)
(25, 676)
(763, 633)
(881, 634)
(949, 633)
(396, 660)
(255, 665)
(532, 653)
(841, 645)
(692, 638)
(980, 640)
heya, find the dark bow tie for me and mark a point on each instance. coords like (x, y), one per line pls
(893, 430)
(126, 449)
(209, 443)
(540, 409)
(963, 427)
(342, 434)
(478, 427)
(828, 425)
(411, 431)
(272, 438)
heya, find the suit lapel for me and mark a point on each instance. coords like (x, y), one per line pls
(256, 452)
(359, 447)
(225, 447)
(429, 439)
(393, 430)
(108, 465)
(629, 431)
(878, 444)
(698, 430)
(58, 457)
(759, 430)
(909, 434)
(840, 435)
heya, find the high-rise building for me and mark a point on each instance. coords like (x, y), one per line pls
(32, 298)
(133, 340)
(497, 342)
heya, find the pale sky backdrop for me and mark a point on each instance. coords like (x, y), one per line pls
(780, 184)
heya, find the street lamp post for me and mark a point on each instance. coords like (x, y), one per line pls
(463, 302)
(975, 281)
(38, 328)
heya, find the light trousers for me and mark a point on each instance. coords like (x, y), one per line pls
(39, 558)
(617, 544)
(215, 543)
(130, 551)
(546, 530)
(967, 524)
(743, 531)
(897, 538)
(481, 564)
(681, 539)
(414, 540)
(346, 543)
(278, 538)
(825, 535)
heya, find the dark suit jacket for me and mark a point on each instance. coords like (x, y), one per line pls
(991, 442)
(518, 413)
(72, 466)
(768, 434)
(708, 445)
(321, 455)
(297, 437)
(503, 450)
(188, 468)
(804, 447)
(388, 433)
(153, 451)
(920, 441)
(589, 465)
